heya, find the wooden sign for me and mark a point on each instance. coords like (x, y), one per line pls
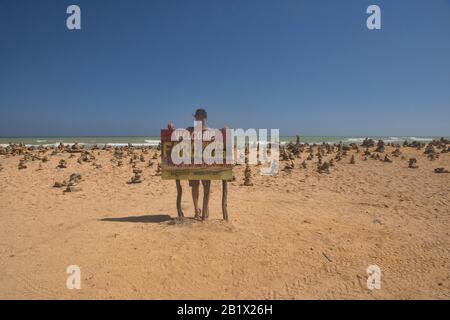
(192, 171)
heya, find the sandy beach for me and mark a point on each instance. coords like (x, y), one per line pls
(299, 235)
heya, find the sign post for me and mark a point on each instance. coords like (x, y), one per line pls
(190, 170)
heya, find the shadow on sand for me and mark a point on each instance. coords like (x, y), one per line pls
(156, 218)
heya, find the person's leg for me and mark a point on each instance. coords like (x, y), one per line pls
(206, 192)
(195, 185)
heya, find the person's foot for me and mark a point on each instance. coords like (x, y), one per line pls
(198, 213)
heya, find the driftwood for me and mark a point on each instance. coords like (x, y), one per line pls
(206, 193)
(224, 199)
(179, 194)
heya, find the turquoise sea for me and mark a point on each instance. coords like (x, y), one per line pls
(154, 140)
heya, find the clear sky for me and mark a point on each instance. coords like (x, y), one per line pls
(306, 67)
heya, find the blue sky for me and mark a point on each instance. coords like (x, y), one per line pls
(306, 67)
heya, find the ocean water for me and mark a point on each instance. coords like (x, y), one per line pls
(154, 140)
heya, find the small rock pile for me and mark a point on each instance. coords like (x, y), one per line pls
(248, 176)
(158, 170)
(380, 146)
(368, 143)
(352, 159)
(396, 152)
(289, 166)
(324, 168)
(137, 176)
(22, 164)
(413, 163)
(74, 180)
(62, 164)
(441, 170)
(72, 185)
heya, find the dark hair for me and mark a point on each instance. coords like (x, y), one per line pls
(200, 112)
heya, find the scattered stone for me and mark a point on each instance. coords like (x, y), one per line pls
(368, 143)
(289, 166)
(74, 180)
(304, 164)
(85, 157)
(429, 149)
(352, 159)
(70, 188)
(22, 164)
(413, 163)
(441, 170)
(380, 146)
(62, 164)
(59, 184)
(137, 176)
(377, 221)
(76, 147)
(158, 170)
(386, 159)
(118, 153)
(396, 152)
(324, 168)
(97, 165)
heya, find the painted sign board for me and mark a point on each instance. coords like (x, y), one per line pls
(192, 171)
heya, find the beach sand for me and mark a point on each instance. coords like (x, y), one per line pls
(299, 235)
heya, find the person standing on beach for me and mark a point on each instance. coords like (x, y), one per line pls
(200, 115)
